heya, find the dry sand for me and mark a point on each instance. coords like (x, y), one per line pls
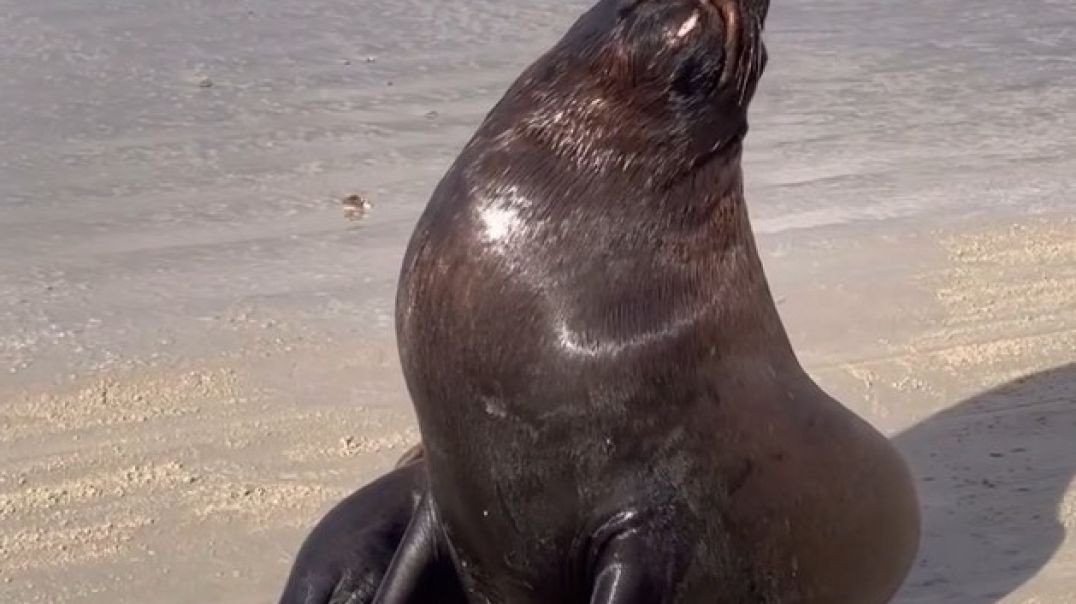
(196, 352)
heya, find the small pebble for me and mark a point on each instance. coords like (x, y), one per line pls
(205, 83)
(355, 206)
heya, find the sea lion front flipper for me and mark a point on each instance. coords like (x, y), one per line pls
(345, 557)
(627, 573)
(416, 565)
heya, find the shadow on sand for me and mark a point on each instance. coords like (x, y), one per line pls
(993, 472)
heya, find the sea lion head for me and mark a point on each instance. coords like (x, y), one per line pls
(655, 86)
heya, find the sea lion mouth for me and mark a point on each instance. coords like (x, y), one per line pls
(745, 55)
(729, 12)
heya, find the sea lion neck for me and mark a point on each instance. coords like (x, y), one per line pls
(583, 228)
(739, 311)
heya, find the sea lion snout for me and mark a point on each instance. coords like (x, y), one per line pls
(726, 34)
(728, 30)
(742, 21)
(737, 14)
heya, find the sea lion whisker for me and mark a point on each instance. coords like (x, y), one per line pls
(747, 62)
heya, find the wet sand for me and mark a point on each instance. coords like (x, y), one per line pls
(196, 348)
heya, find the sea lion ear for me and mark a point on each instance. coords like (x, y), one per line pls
(626, 6)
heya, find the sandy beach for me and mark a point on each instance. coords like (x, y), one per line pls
(196, 345)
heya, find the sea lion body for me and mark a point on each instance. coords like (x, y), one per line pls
(611, 408)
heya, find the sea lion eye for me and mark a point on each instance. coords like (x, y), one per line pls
(685, 81)
(695, 75)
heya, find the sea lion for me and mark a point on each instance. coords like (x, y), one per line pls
(611, 408)
(345, 557)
